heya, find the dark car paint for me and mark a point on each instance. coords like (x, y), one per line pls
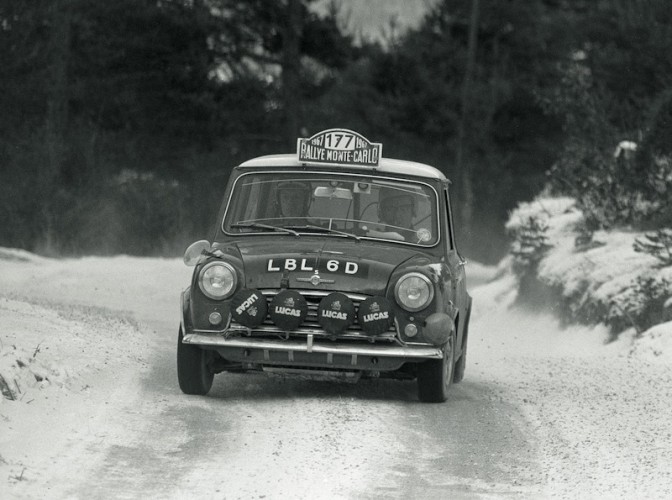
(374, 264)
(385, 261)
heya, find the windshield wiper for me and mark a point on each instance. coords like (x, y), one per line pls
(257, 225)
(326, 230)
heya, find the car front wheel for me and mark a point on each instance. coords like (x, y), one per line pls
(435, 376)
(193, 371)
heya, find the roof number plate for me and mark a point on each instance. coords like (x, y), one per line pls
(339, 147)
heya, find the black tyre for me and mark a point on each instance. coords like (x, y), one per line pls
(462, 361)
(435, 376)
(193, 371)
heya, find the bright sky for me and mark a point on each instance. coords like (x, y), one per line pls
(371, 18)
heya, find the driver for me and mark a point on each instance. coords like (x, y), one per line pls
(293, 200)
(396, 209)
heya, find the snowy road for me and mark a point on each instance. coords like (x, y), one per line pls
(542, 412)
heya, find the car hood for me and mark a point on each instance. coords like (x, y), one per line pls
(319, 264)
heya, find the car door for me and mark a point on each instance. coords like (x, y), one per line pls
(456, 264)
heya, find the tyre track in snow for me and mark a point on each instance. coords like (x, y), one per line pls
(257, 436)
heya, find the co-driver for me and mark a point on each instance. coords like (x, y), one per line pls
(396, 209)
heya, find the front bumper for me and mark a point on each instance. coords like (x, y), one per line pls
(392, 351)
(256, 353)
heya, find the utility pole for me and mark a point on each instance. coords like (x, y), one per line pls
(291, 69)
(463, 168)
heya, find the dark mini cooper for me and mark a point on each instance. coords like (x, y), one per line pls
(331, 262)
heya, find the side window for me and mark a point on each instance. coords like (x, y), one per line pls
(449, 221)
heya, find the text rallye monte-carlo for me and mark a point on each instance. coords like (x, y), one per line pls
(333, 261)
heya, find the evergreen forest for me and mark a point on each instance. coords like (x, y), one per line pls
(121, 120)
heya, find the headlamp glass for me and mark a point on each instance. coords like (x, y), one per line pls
(414, 291)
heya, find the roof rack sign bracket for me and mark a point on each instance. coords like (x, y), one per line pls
(338, 146)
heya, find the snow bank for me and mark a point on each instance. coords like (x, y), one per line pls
(18, 255)
(49, 346)
(22, 370)
(59, 368)
(600, 277)
(655, 345)
(70, 348)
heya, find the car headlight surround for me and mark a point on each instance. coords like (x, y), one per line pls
(414, 291)
(218, 280)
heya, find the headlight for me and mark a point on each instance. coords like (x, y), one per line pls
(414, 291)
(217, 280)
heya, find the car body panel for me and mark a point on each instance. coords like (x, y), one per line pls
(360, 267)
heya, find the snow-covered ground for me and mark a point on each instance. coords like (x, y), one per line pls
(600, 410)
(75, 343)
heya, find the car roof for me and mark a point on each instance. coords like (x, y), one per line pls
(386, 165)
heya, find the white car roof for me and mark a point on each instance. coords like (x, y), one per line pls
(386, 165)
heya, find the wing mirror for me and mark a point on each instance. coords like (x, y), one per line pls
(195, 251)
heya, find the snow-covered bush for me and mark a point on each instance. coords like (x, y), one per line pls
(642, 306)
(606, 281)
(530, 229)
(530, 243)
(658, 244)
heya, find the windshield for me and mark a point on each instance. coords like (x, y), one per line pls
(342, 205)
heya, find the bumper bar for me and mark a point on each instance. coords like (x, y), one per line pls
(393, 351)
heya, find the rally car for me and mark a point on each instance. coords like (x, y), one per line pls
(332, 262)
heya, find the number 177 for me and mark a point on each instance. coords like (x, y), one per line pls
(335, 140)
